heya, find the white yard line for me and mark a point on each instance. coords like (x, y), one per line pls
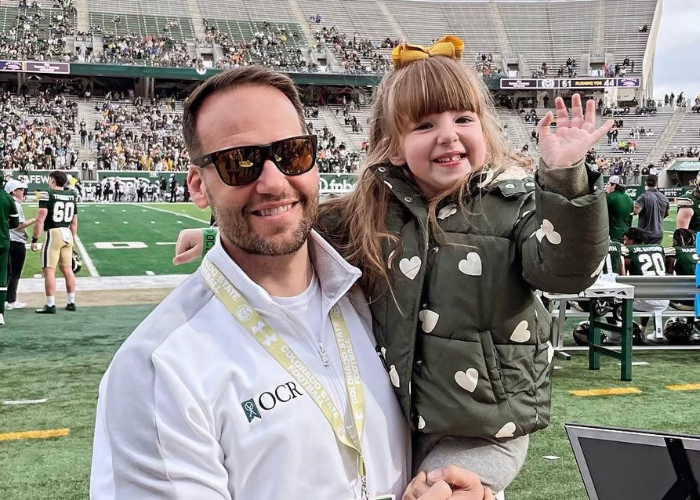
(86, 258)
(204, 223)
(25, 402)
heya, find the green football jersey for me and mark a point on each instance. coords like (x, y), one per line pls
(691, 201)
(686, 259)
(613, 262)
(9, 217)
(61, 205)
(645, 260)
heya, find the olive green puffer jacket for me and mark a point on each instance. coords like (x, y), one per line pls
(466, 340)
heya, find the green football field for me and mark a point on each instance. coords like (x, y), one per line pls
(64, 363)
(128, 239)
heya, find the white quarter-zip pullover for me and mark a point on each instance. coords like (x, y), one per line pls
(192, 407)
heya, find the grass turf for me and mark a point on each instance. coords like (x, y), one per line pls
(148, 223)
(63, 357)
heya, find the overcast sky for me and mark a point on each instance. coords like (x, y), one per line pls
(677, 65)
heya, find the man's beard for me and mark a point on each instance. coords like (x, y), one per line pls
(233, 222)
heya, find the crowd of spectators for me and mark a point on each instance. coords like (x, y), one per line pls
(484, 64)
(569, 69)
(355, 54)
(36, 132)
(333, 156)
(39, 33)
(137, 136)
(272, 45)
(147, 50)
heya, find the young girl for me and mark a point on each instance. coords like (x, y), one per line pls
(453, 237)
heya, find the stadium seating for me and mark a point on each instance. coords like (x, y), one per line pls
(687, 135)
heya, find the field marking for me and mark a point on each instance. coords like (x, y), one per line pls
(166, 243)
(13, 436)
(615, 391)
(86, 258)
(150, 273)
(25, 402)
(178, 215)
(684, 387)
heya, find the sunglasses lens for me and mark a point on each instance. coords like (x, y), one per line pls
(239, 166)
(295, 156)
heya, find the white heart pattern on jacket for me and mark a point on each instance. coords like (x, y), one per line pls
(445, 212)
(467, 380)
(507, 431)
(421, 423)
(410, 267)
(521, 332)
(428, 320)
(382, 350)
(471, 266)
(546, 230)
(394, 376)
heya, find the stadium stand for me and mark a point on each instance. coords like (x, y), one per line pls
(357, 37)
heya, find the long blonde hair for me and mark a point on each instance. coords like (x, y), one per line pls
(407, 95)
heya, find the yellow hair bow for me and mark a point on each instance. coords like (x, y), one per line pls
(406, 53)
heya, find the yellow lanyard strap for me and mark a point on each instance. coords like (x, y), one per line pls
(251, 320)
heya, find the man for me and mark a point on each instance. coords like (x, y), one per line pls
(689, 209)
(201, 401)
(645, 259)
(9, 219)
(18, 245)
(652, 207)
(620, 207)
(58, 216)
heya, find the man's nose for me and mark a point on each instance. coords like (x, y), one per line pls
(271, 180)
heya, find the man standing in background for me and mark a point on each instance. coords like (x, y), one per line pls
(9, 219)
(18, 242)
(652, 207)
(620, 207)
(58, 216)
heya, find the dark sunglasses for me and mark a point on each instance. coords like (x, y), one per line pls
(243, 165)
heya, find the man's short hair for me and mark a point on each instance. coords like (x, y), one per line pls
(60, 178)
(652, 181)
(245, 75)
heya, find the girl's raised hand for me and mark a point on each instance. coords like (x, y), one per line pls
(573, 138)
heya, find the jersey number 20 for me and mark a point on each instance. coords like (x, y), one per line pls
(652, 265)
(63, 212)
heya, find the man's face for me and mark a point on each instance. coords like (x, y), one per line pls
(609, 188)
(273, 215)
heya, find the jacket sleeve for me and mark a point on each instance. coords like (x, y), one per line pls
(151, 438)
(562, 232)
(14, 214)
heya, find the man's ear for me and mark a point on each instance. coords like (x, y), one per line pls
(195, 183)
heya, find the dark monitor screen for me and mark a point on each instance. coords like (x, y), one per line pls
(628, 465)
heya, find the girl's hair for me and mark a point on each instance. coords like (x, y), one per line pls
(407, 95)
(683, 238)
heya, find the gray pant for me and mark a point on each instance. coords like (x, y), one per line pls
(496, 461)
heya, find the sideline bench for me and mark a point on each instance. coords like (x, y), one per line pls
(626, 288)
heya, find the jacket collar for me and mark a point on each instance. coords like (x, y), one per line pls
(335, 275)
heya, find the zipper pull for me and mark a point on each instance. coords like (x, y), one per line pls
(324, 357)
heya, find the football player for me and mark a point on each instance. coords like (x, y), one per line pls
(58, 217)
(642, 259)
(681, 260)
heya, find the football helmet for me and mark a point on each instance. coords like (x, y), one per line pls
(679, 331)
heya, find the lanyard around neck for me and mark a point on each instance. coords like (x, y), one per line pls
(274, 344)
